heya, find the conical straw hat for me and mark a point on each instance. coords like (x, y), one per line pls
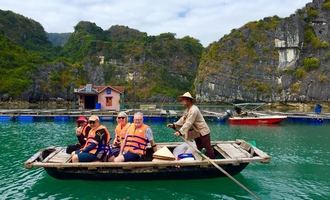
(186, 95)
(164, 153)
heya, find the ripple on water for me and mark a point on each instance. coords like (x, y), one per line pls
(298, 169)
(18, 183)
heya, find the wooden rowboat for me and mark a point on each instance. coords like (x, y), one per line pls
(233, 156)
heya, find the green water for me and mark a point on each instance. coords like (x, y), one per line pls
(299, 168)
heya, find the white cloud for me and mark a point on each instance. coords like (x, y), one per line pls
(205, 20)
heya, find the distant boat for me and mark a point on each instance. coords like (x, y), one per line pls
(251, 117)
(255, 120)
(232, 156)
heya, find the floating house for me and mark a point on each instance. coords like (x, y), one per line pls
(100, 97)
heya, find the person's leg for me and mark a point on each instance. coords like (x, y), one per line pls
(119, 158)
(74, 158)
(72, 148)
(206, 143)
(86, 157)
(198, 142)
(128, 156)
(111, 159)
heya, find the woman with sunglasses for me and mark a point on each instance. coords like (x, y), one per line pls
(120, 131)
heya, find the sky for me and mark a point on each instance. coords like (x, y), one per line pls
(205, 20)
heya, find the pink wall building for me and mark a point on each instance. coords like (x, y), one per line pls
(100, 97)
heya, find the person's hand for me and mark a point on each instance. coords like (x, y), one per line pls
(78, 131)
(177, 133)
(171, 126)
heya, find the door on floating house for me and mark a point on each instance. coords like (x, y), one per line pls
(90, 102)
(108, 101)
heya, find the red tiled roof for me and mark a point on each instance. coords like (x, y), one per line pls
(100, 88)
(121, 89)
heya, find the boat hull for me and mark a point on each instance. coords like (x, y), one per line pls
(144, 174)
(232, 156)
(256, 120)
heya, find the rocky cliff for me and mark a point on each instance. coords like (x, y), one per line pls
(58, 39)
(273, 59)
(23, 31)
(152, 68)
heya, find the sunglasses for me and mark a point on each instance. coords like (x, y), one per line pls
(91, 122)
(121, 117)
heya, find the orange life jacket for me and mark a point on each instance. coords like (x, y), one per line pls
(91, 138)
(86, 130)
(121, 133)
(83, 134)
(136, 140)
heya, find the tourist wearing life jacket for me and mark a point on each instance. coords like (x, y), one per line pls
(192, 125)
(136, 141)
(120, 133)
(121, 129)
(97, 144)
(82, 131)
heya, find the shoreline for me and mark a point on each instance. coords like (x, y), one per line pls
(72, 105)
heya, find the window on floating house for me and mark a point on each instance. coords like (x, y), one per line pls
(108, 91)
(108, 101)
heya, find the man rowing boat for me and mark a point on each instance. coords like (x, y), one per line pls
(192, 125)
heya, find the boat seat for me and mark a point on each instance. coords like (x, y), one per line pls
(60, 157)
(231, 151)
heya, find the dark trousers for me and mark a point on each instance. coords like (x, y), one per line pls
(205, 142)
(72, 148)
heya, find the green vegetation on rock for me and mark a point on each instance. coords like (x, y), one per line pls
(326, 5)
(16, 63)
(311, 38)
(150, 67)
(311, 63)
(312, 13)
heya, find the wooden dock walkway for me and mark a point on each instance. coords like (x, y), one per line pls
(150, 114)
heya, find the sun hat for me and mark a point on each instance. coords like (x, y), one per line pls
(187, 95)
(81, 119)
(94, 118)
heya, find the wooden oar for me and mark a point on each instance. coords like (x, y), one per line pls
(220, 168)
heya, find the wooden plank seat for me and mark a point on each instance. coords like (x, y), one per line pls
(232, 151)
(60, 157)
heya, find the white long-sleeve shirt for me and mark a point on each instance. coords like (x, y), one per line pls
(192, 124)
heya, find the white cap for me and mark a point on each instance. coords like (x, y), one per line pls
(94, 118)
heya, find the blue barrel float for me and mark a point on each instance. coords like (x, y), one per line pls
(155, 119)
(5, 118)
(61, 118)
(107, 118)
(24, 118)
(306, 120)
(98, 106)
(130, 118)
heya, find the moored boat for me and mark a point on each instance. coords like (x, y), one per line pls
(246, 116)
(255, 120)
(232, 156)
